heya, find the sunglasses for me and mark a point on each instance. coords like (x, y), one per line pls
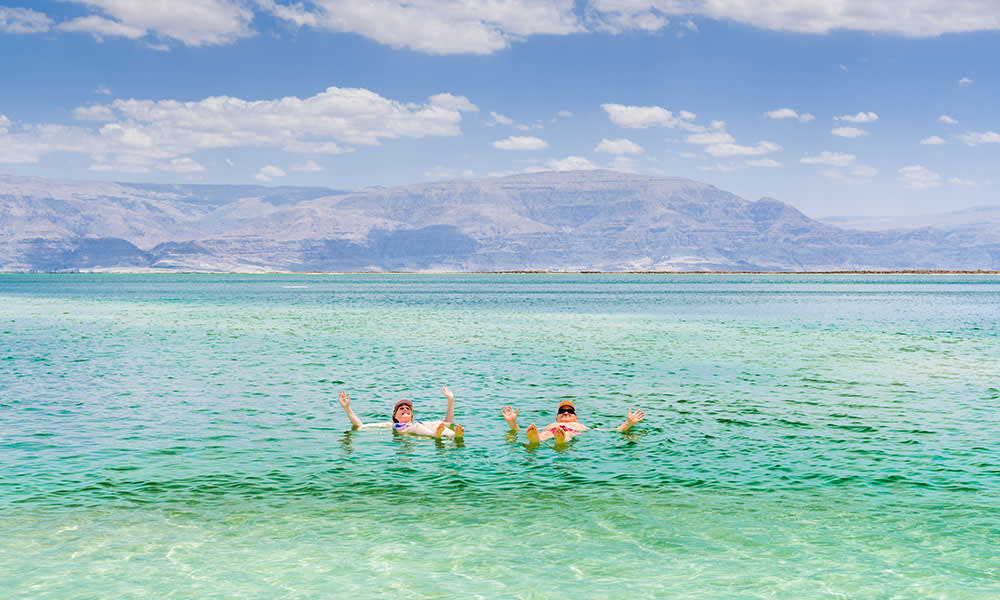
(566, 409)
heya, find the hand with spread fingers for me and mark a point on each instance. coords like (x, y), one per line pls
(631, 419)
(510, 415)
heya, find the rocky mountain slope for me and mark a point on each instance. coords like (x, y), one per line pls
(583, 220)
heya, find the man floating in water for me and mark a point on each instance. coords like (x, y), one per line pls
(403, 421)
(566, 426)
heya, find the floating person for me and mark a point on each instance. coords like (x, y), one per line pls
(566, 426)
(403, 421)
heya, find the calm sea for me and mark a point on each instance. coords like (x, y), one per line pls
(178, 436)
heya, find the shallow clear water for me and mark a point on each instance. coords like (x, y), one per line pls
(806, 436)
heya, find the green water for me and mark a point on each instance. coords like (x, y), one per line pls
(806, 437)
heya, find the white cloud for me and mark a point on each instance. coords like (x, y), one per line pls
(854, 175)
(644, 117)
(848, 132)
(310, 166)
(147, 132)
(917, 177)
(788, 113)
(498, 119)
(182, 165)
(932, 141)
(833, 159)
(100, 27)
(615, 16)
(23, 20)
(268, 173)
(915, 18)
(191, 22)
(764, 162)
(564, 114)
(571, 163)
(435, 26)
(517, 142)
(974, 138)
(947, 120)
(960, 181)
(861, 117)
(964, 82)
(719, 143)
(619, 146)
(738, 150)
(4, 124)
(103, 90)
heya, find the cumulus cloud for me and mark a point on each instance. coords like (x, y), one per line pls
(964, 82)
(788, 113)
(917, 177)
(932, 141)
(564, 114)
(619, 146)
(498, 119)
(715, 139)
(191, 22)
(915, 18)
(832, 159)
(100, 27)
(145, 133)
(182, 165)
(853, 175)
(974, 138)
(435, 26)
(517, 142)
(720, 143)
(268, 173)
(848, 132)
(861, 117)
(947, 120)
(571, 163)
(764, 162)
(644, 117)
(23, 20)
(960, 181)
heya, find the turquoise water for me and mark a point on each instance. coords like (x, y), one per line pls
(806, 436)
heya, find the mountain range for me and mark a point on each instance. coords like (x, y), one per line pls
(560, 221)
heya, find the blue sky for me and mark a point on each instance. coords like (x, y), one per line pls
(847, 108)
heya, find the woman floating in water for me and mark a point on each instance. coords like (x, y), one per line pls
(403, 421)
(566, 426)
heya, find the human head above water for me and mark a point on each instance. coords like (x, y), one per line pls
(566, 412)
(406, 416)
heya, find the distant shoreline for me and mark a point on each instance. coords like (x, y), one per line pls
(520, 272)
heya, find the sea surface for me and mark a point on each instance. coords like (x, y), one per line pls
(806, 436)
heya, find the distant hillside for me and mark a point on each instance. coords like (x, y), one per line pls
(583, 220)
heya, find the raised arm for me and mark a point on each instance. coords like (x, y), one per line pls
(510, 415)
(630, 420)
(450, 415)
(345, 401)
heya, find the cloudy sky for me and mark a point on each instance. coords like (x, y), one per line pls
(851, 107)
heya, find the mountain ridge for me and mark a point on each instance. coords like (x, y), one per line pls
(552, 221)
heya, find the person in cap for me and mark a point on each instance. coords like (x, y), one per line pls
(403, 421)
(566, 426)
